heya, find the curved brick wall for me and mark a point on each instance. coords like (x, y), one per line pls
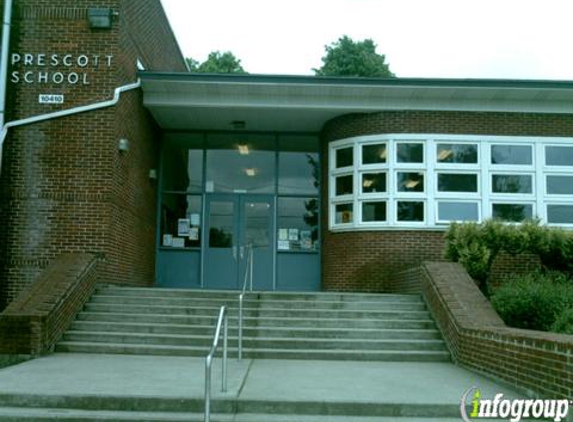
(367, 260)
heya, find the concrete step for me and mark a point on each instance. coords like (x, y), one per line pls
(233, 294)
(249, 331)
(252, 302)
(361, 355)
(210, 320)
(230, 406)
(263, 313)
(18, 414)
(255, 342)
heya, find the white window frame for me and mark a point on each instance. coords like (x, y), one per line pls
(484, 169)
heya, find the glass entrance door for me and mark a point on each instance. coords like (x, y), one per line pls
(234, 224)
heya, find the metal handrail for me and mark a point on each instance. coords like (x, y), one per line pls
(222, 321)
(248, 275)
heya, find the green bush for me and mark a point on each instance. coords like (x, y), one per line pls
(534, 301)
(564, 322)
(476, 246)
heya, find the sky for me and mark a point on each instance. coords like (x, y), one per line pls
(502, 39)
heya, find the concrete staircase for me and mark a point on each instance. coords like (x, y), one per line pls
(326, 326)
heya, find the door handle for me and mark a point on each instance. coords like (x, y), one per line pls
(234, 253)
(242, 252)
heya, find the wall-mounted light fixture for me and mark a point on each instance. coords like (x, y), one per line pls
(100, 17)
(123, 145)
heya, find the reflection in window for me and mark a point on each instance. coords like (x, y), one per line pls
(180, 220)
(298, 173)
(221, 219)
(560, 214)
(560, 185)
(373, 182)
(257, 223)
(410, 211)
(511, 183)
(457, 153)
(410, 182)
(512, 212)
(374, 154)
(298, 224)
(241, 164)
(344, 185)
(511, 154)
(343, 214)
(458, 211)
(410, 153)
(182, 169)
(559, 156)
(344, 157)
(448, 182)
(373, 211)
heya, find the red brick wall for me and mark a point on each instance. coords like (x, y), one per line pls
(367, 260)
(34, 322)
(478, 339)
(64, 186)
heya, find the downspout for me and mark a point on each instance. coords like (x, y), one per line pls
(6, 25)
(76, 110)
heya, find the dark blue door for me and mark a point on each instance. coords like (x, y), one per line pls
(236, 224)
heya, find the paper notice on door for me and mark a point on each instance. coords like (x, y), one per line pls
(283, 234)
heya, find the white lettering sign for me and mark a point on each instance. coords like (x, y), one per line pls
(57, 68)
(51, 99)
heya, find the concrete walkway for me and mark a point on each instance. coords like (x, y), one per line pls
(309, 383)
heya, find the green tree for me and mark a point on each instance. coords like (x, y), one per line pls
(217, 62)
(346, 57)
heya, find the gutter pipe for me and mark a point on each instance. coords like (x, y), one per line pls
(76, 110)
(6, 25)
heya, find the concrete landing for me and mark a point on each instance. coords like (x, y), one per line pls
(111, 383)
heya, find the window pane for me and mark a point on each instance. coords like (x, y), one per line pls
(180, 220)
(298, 173)
(245, 164)
(344, 185)
(373, 182)
(344, 157)
(182, 169)
(410, 211)
(511, 154)
(457, 182)
(374, 154)
(410, 182)
(457, 153)
(298, 224)
(560, 214)
(458, 211)
(257, 223)
(222, 219)
(373, 211)
(344, 214)
(512, 212)
(410, 153)
(560, 185)
(511, 183)
(559, 156)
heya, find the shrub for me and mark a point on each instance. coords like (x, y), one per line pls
(564, 322)
(476, 246)
(534, 301)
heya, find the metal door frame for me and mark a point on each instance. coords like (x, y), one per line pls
(238, 200)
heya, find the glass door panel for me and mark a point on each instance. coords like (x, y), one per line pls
(257, 231)
(221, 260)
